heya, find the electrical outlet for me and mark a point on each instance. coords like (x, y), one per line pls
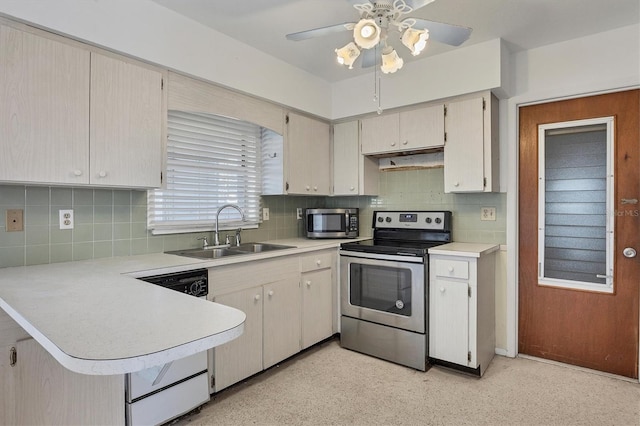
(265, 213)
(487, 213)
(299, 213)
(66, 219)
(15, 221)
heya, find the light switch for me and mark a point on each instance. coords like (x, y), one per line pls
(15, 221)
(265, 213)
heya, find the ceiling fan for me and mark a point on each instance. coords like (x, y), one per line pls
(377, 20)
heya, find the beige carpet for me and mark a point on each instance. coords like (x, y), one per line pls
(330, 385)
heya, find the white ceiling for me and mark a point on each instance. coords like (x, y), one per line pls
(523, 24)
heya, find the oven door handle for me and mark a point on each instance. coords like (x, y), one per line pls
(377, 256)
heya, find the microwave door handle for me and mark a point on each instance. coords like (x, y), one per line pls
(346, 225)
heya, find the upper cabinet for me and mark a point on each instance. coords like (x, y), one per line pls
(69, 115)
(353, 173)
(413, 130)
(471, 151)
(307, 161)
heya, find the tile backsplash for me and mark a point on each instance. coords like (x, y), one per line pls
(111, 222)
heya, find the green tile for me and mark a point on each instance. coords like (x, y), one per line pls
(155, 244)
(138, 230)
(103, 214)
(121, 214)
(122, 198)
(37, 255)
(37, 235)
(12, 256)
(37, 196)
(12, 196)
(102, 249)
(82, 197)
(11, 239)
(139, 214)
(103, 197)
(83, 251)
(82, 233)
(102, 232)
(121, 231)
(61, 253)
(139, 199)
(60, 236)
(61, 196)
(139, 246)
(170, 242)
(83, 214)
(122, 247)
(36, 215)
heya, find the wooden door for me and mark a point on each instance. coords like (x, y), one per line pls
(586, 328)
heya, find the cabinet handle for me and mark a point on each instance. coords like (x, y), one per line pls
(256, 297)
(308, 283)
(77, 172)
(102, 174)
(405, 142)
(270, 293)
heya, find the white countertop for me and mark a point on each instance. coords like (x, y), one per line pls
(94, 317)
(464, 249)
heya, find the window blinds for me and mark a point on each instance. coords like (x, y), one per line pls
(211, 161)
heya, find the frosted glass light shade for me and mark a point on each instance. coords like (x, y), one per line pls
(415, 40)
(391, 62)
(366, 33)
(348, 54)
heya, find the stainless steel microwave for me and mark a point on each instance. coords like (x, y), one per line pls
(331, 223)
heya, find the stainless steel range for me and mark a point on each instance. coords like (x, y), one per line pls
(384, 286)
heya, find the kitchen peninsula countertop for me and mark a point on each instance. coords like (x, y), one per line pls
(94, 317)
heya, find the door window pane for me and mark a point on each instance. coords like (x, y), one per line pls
(575, 229)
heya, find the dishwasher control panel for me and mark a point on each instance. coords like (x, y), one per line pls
(194, 283)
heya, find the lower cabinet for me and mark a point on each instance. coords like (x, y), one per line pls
(462, 310)
(289, 306)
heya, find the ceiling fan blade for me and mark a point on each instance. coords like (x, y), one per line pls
(417, 4)
(319, 32)
(369, 58)
(454, 35)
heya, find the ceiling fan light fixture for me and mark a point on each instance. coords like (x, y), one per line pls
(348, 54)
(415, 40)
(391, 62)
(366, 33)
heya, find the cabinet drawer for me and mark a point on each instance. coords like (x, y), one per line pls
(316, 261)
(452, 268)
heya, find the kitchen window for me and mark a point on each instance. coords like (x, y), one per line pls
(211, 161)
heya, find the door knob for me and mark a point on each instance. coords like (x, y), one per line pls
(629, 252)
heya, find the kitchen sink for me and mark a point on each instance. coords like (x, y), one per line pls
(219, 252)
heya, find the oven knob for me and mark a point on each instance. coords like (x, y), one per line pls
(380, 219)
(428, 220)
(388, 219)
(438, 220)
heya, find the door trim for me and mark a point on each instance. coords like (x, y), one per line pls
(512, 184)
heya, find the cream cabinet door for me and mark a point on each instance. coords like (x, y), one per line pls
(308, 156)
(380, 134)
(345, 158)
(126, 123)
(44, 109)
(422, 128)
(449, 320)
(47, 393)
(464, 151)
(281, 320)
(241, 357)
(317, 306)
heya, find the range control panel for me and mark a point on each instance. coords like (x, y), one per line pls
(430, 220)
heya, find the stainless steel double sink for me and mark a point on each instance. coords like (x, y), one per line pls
(219, 252)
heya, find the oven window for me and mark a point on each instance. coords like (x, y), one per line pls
(380, 288)
(328, 222)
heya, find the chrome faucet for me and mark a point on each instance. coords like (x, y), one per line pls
(217, 232)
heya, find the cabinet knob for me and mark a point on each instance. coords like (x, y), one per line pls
(352, 188)
(77, 172)
(307, 187)
(270, 293)
(318, 262)
(308, 283)
(450, 268)
(393, 144)
(441, 289)
(456, 184)
(405, 142)
(102, 174)
(315, 188)
(256, 297)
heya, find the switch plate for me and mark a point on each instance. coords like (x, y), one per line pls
(15, 220)
(299, 213)
(265, 213)
(66, 219)
(487, 213)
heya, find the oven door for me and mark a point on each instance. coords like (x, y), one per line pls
(384, 289)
